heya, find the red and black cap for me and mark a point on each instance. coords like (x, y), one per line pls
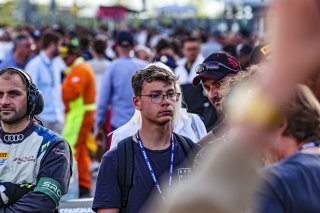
(216, 66)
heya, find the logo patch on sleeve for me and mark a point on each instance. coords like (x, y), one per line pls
(3, 158)
(50, 187)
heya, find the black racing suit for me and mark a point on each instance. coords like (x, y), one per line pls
(35, 169)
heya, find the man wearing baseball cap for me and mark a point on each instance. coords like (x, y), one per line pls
(116, 91)
(211, 73)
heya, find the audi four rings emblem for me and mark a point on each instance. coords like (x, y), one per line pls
(13, 137)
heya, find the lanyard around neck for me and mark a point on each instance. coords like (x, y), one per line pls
(310, 144)
(148, 163)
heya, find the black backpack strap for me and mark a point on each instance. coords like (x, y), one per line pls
(188, 147)
(125, 170)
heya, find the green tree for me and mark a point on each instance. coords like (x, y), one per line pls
(7, 13)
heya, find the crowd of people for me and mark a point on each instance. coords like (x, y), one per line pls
(84, 73)
(176, 121)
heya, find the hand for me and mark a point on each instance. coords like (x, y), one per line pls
(13, 192)
(99, 136)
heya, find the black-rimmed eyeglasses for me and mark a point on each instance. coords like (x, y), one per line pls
(157, 98)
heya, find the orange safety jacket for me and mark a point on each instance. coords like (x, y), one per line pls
(78, 92)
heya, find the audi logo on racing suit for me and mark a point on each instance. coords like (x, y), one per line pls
(13, 137)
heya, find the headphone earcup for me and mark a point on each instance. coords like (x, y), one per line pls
(35, 101)
(39, 102)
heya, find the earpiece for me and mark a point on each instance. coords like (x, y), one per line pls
(35, 101)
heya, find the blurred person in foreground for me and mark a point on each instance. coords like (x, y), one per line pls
(298, 24)
(35, 163)
(115, 89)
(261, 107)
(228, 179)
(288, 66)
(211, 73)
(184, 123)
(158, 154)
(22, 50)
(292, 184)
(297, 28)
(226, 171)
(78, 93)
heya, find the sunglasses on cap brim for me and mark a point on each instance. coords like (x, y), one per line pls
(212, 66)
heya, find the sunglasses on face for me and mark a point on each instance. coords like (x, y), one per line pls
(212, 66)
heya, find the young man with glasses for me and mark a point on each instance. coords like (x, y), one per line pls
(211, 73)
(158, 153)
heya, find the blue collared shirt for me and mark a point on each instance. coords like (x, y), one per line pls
(116, 91)
(46, 75)
(10, 61)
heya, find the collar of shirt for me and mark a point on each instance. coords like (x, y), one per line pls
(45, 58)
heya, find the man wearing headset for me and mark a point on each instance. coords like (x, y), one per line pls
(35, 163)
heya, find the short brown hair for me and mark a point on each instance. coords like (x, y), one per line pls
(189, 39)
(153, 72)
(10, 71)
(303, 115)
(48, 38)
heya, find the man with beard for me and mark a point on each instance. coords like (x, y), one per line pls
(35, 163)
(215, 69)
(45, 70)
